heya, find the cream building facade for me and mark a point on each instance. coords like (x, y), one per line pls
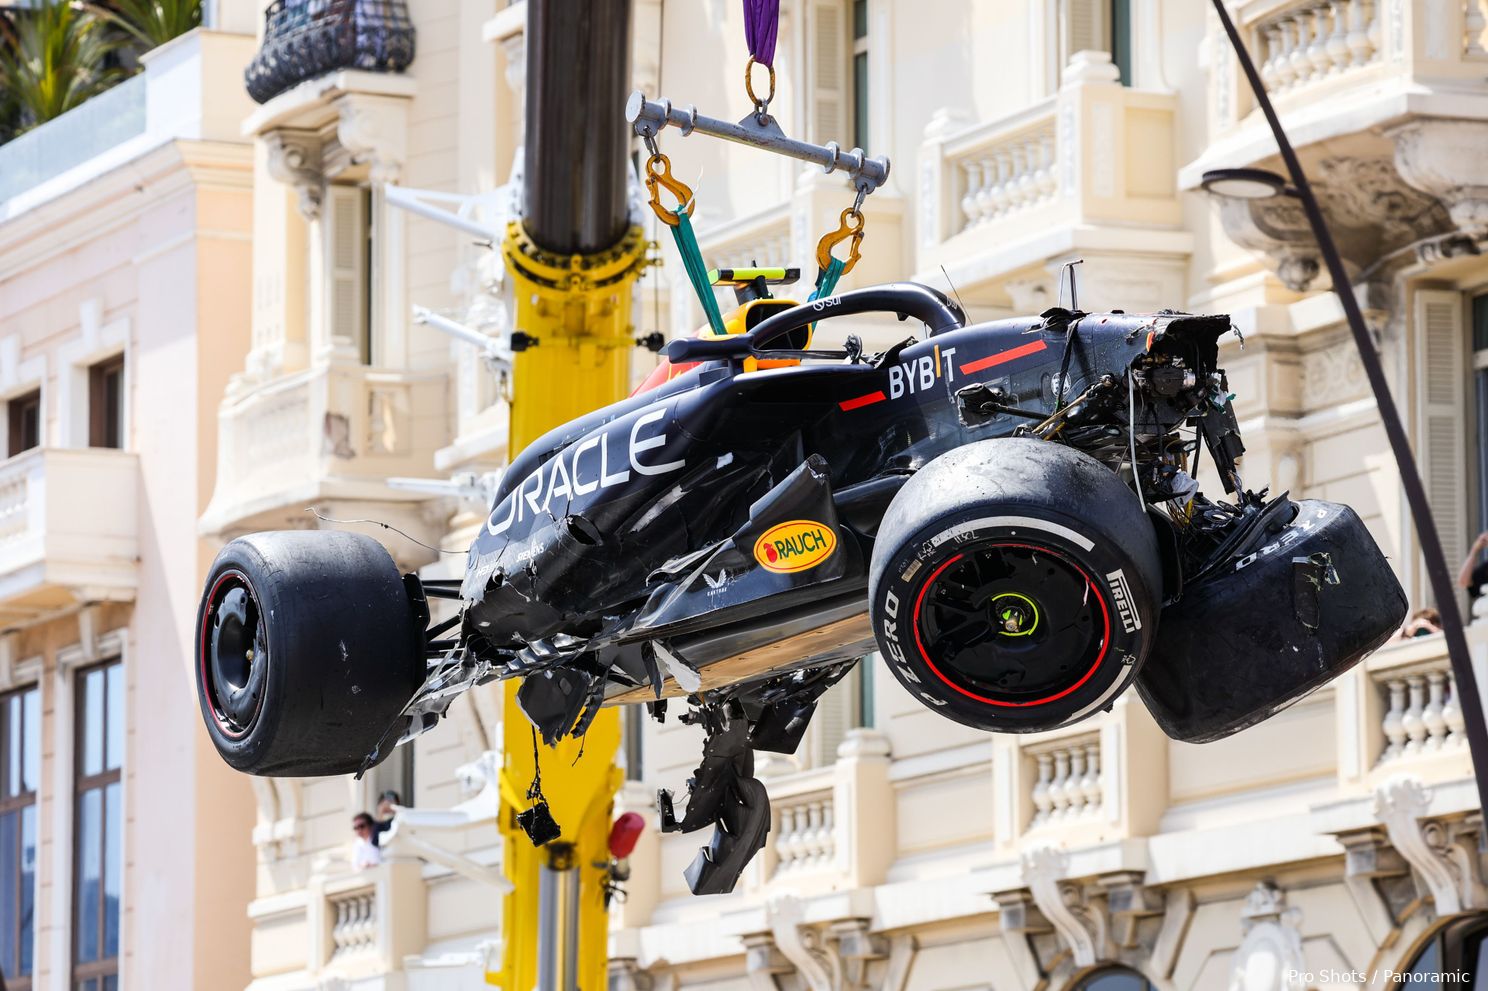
(124, 301)
(907, 853)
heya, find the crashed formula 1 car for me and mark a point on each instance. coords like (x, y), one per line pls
(1007, 512)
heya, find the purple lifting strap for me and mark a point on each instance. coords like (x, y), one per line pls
(761, 24)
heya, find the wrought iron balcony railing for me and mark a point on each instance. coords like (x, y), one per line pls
(308, 38)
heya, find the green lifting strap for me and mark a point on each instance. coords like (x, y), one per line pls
(826, 280)
(697, 272)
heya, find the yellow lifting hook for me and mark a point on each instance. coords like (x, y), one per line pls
(844, 231)
(656, 177)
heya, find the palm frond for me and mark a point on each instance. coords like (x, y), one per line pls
(58, 60)
(151, 22)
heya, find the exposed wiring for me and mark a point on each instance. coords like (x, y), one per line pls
(386, 526)
(1131, 432)
(1059, 414)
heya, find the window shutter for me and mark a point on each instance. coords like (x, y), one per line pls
(829, 52)
(1441, 441)
(348, 267)
(836, 713)
(1084, 26)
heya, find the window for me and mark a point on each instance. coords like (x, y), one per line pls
(860, 73)
(845, 706)
(1459, 950)
(1121, 37)
(393, 774)
(1097, 25)
(1114, 979)
(20, 774)
(634, 729)
(828, 65)
(106, 403)
(23, 421)
(349, 251)
(1480, 400)
(98, 827)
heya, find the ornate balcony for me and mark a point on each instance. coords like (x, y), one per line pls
(1387, 108)
(1337, 67)
(1398, 713)
(327, 437)
(1085, 173)
(344, 928)
(61, 541)
(1068, 787)
(304, 39)
(828, 833)
(1098, 782)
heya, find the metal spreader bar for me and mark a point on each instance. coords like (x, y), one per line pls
(650, 117)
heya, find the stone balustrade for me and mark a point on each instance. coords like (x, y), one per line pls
(355, 925)
(1305, 42)
(805, 840)
(1333, 67)
(1421, 714)
(335, 431)
(763, 239)
(57, 535)
(1399, 712)
(1474, 22)
(829, 831)
(1001, 173)
(353, 916)
(1068, 786)
(994, 194)
(15, 496)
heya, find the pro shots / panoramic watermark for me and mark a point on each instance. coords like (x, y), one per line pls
(1329, 978)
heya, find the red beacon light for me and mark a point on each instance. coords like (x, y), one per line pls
(625, 833)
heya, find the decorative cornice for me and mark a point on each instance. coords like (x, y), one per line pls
(1278, 229)
(1444, 158)
(1442, 854)
(820, 968)
(374, 131)
(1081, 926)
(830, 958)
(294, 159)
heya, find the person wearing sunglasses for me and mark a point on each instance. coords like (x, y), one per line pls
(364, 851)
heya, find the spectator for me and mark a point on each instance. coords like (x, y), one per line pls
(364, 851)
(386, 809)
(1473, 576)
(1421, 623)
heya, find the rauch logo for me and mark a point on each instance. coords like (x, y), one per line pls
(795, 546)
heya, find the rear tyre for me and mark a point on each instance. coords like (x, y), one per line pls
(1014, 585)
(306, 651)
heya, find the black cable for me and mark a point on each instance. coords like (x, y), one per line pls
(1468, 699)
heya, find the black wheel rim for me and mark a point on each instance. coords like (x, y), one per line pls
(1012, 624)
(235, 655)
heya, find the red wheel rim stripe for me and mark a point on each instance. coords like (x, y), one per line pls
(1105, 636)
(207, 691)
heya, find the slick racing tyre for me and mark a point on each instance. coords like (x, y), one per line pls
(306, 651)
(1014, 585)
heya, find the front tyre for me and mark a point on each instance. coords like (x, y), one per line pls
(1014, 585)
(307, 651)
